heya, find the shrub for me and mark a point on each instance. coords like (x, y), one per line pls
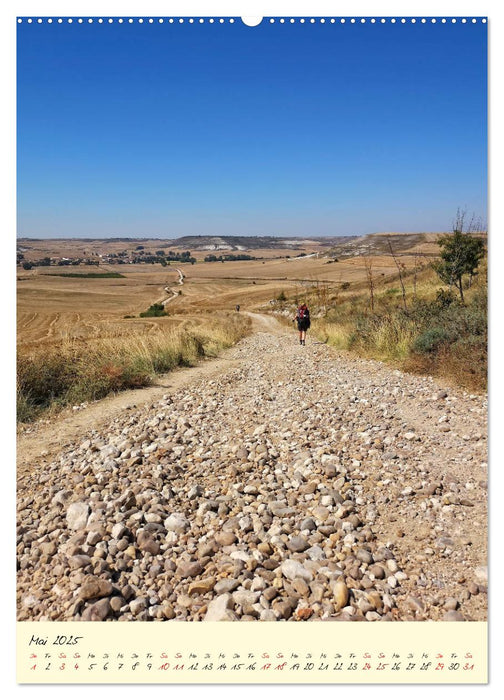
(26, 410)
(154, 310)
(86, 275)
(430, 340)
(445, 298)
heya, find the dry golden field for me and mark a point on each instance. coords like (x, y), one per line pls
(51, 309)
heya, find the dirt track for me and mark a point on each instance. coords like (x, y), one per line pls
(375, 479)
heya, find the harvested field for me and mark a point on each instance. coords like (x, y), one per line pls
(52, 309)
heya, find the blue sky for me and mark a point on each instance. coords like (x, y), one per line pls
(187, 129)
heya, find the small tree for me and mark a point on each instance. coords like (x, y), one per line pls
(461, 254)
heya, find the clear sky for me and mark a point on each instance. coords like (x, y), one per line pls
(307, 129)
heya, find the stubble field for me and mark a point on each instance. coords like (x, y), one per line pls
(53, 308)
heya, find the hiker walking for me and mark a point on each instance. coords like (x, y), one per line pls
(303, 322)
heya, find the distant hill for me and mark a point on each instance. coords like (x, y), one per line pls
(378, 244)
(253, 242)
(326, 246)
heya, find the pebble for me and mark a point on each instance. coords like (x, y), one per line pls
(202, 586)
(219, 609)
(340, 594)
(453, 616)
(297, 544)
(137, 605)
(481, 575)
(293, 569)
(176, 522)
(77, 515)
(95, 587)
(189, 569)
(365, 556)
(415, 604)
(226, 585)
(97, 612)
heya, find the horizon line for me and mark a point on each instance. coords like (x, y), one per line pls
(217, 235)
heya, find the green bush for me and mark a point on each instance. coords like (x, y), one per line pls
(445, 298)
(154, 310)
(87, 275)
(430, 340)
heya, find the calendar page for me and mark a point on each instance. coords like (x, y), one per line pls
(251, 348)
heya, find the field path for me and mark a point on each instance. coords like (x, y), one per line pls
(275, 482)
(167, 289)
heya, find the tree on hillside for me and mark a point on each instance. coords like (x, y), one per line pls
(461, 253)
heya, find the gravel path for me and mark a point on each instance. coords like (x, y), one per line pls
(296, 483)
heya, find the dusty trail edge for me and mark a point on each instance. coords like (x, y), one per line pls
(43, 440)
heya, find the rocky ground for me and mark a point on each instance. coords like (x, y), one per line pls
(296, 484)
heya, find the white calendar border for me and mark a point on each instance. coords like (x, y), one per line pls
(314, 8)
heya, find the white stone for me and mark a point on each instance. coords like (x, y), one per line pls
(292, 569)
(77, 515)
(176, 522)
(219, 609)
(118, 531)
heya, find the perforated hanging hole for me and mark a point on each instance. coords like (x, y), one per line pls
(252, 21)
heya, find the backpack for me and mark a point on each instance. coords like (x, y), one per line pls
(303, 314)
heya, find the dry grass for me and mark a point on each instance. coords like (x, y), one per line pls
(73, 372)
(334, 334)
(428, 337)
